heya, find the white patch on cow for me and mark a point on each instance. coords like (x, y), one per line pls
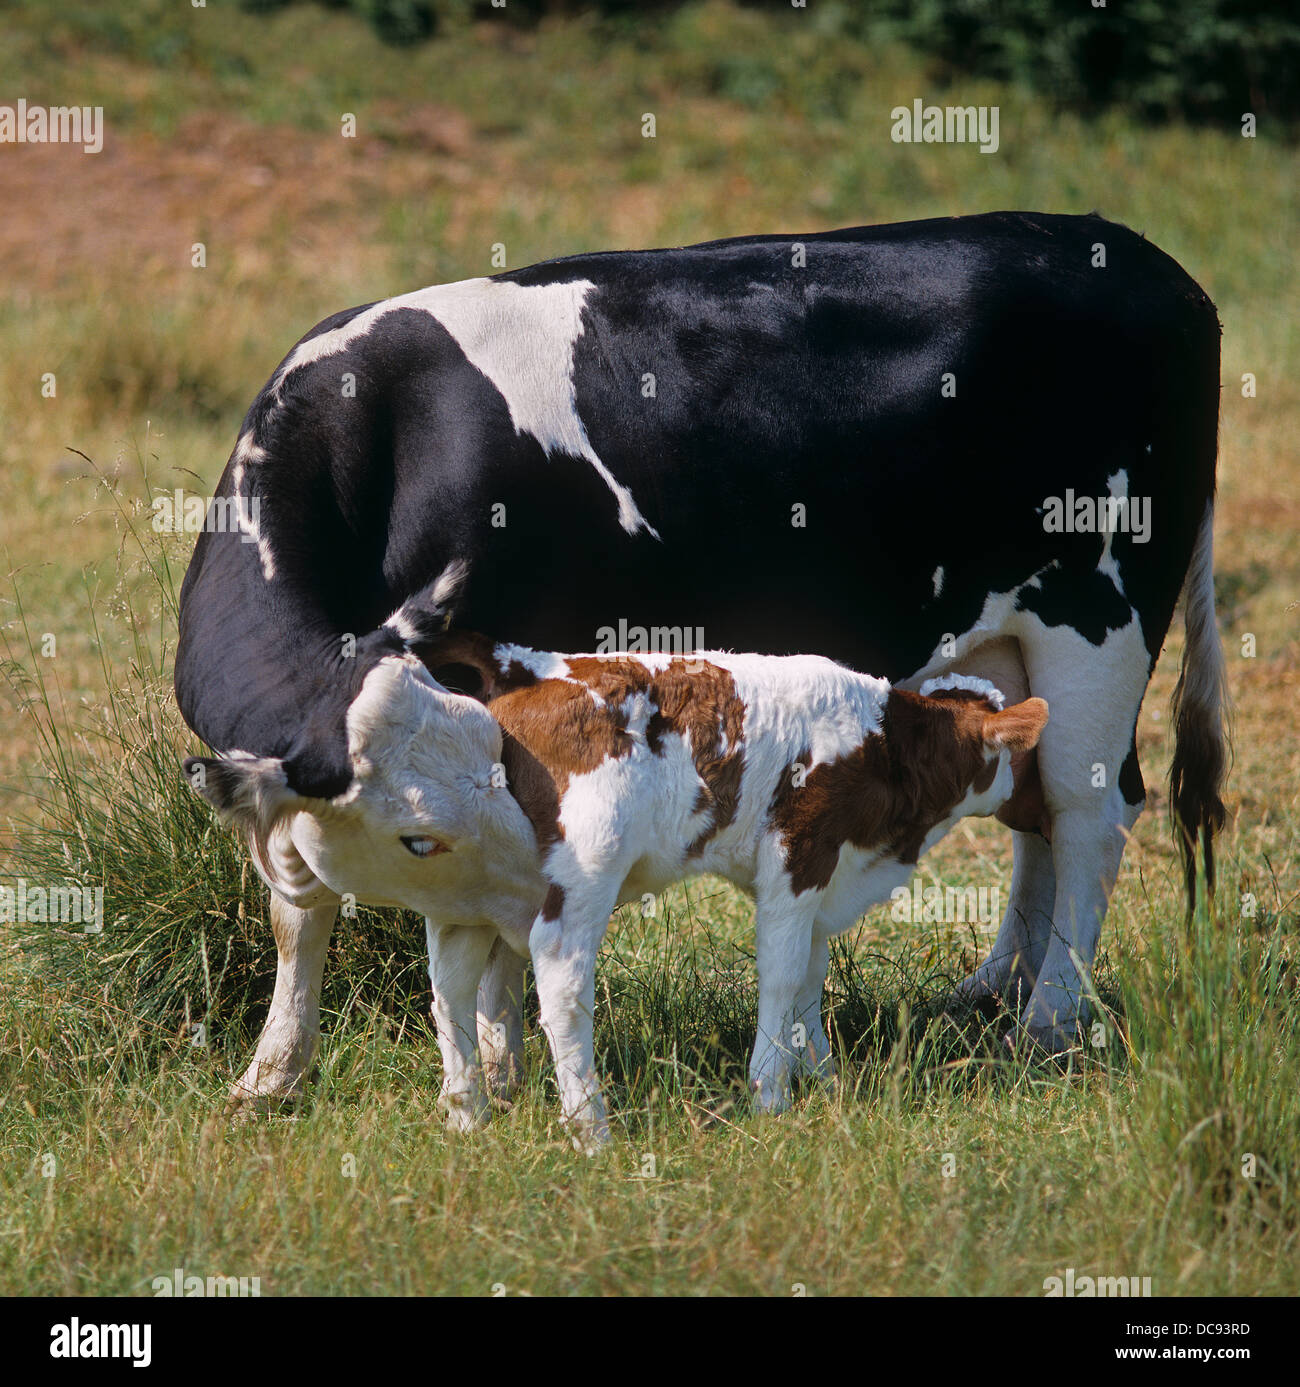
(521, 337)
(1117, 485)
(863, 877)
(449, 581)
(937, 580)
(829, 706)
(404, 628)
(653, 661)
(408, 619)
(250, 453)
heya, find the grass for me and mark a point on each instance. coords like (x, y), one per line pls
(223, 128)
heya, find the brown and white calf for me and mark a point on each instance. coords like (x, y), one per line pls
(518, 821)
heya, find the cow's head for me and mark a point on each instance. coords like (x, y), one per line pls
(427, 816)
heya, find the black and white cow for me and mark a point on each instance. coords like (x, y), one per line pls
(979, 445)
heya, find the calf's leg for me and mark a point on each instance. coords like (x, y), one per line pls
(457, 957)
(783, 926)
(564, 950)
(501, 1020)
(281, 1064)
(815, 1058)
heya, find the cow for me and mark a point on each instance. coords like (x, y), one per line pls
(980, 445)
(581, 782)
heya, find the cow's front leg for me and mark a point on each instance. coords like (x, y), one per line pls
(564, 951)
(281, 1064)
(457, 957)
(810, 1041)
(501, 1020)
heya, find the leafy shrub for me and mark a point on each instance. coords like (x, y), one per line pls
(1203, 60)
(1207, 60)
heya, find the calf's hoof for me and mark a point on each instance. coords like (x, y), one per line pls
(245, 1105)
(466, 1112)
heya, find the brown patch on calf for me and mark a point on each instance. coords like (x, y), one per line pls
(553, 729)
(892, 790)
(553, 905)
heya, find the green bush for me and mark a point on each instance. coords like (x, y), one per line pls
(1202, 60)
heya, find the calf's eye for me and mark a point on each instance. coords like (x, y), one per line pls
(421, 846)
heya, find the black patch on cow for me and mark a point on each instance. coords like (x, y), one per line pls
(1088, 602)
(1131, 784)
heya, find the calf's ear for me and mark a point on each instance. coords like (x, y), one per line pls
(1017, 728)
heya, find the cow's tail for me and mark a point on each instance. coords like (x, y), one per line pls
(1200, 713)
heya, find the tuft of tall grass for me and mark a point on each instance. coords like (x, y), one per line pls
(185, 954)
(1217, 1037)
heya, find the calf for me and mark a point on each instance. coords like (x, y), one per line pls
(579, 782)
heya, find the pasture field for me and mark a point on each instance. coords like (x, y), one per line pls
(1169, 1149)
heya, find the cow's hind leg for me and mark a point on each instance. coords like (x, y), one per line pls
(1009, 972)
(457, 957)
(1094, 693)
(501, 1020)
(281, 1064)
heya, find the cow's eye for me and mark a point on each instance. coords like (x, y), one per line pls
(422, 846)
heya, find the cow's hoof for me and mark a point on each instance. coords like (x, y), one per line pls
(770, 1096)
(965, 1005)
(1053, 1042)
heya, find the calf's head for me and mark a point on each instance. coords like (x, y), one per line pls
(959, 752)
(426, 806)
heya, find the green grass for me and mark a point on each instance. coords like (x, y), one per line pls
(1131, 1163)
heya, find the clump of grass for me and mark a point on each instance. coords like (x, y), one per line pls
(1218, 1043)
(185, 951)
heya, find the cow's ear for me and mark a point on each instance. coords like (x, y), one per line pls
(1017, 728)
(422, 618)
(250, 791)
